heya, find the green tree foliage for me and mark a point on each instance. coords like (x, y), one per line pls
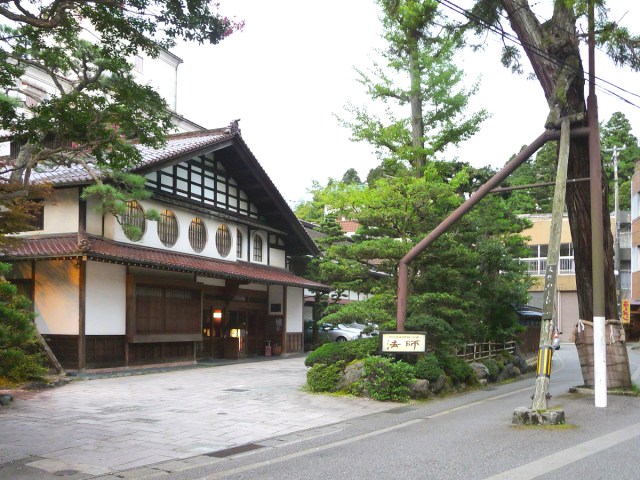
(616, 136)
(463, 287)
(419, 84)
(540, 169)
(20, 355)
(96, 108)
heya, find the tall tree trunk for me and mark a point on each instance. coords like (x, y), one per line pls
(417, 117)
(553, 50)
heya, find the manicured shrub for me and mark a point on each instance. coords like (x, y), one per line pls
(428, 368)
(385, 379)
(18, 366)
(456, 368)
(326, 354)
(324, 378)
(342, 351)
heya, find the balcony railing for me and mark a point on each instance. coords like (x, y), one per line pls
(538, 265)
(625, 239)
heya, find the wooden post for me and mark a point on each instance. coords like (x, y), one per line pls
(551, 273)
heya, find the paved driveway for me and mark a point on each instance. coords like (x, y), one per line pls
(106, 425)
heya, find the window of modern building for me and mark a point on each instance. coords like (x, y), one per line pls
(223, 240)
(197, 235)
(239, 244)
(257, 248)
(168, 228)
(133, 222)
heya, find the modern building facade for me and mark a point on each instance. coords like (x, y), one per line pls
(567, 298)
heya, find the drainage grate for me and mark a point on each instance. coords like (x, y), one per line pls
(234, 450)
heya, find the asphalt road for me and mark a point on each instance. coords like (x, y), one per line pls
(467, 436)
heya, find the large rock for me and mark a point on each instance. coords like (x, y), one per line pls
(529, 416)
(5, 400)
(351, 374)
(480, 370)
(509, 371)
(420, 389)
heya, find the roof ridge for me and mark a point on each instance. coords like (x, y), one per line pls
(198, 133)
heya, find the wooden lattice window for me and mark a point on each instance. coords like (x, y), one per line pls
(168, 228)
(257, 248)
(197, 235)
(223, 240)
(133, 222)
(239, 244)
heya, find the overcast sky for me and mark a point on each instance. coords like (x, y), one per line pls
(291, 70)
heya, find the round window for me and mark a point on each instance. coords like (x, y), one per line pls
(168, 228)
(197, 235)
(223, 240)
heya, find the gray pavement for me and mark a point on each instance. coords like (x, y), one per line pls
(100, 426)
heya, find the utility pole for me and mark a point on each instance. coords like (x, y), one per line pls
(597, 233)
(616, 238)
(545, 351)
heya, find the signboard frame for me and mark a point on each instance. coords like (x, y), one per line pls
(402, 342)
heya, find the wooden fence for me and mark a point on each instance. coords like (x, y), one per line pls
(473, 352)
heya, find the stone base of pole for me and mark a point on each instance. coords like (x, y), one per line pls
(529, 416)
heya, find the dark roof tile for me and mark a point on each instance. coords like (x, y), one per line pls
(96, 248)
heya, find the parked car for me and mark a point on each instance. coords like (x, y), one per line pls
(368, 330)
(339, 333)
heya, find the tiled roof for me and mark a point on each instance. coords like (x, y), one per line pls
(96, 248)
(176, 145)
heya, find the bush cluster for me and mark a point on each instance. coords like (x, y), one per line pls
(384, 378)
(324, 378)
(342, 351)
(428, 368)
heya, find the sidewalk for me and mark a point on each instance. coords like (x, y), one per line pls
(103, 425)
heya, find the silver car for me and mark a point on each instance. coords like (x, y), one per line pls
(339, 333)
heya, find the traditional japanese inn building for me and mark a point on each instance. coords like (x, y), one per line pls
(211, 278)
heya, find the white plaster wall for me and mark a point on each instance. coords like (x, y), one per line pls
(106, 299)
(61, 212)
(295, 304)
(94, 219)
(277, 258)
(276, 295)
(162, 74)
(56, 296)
